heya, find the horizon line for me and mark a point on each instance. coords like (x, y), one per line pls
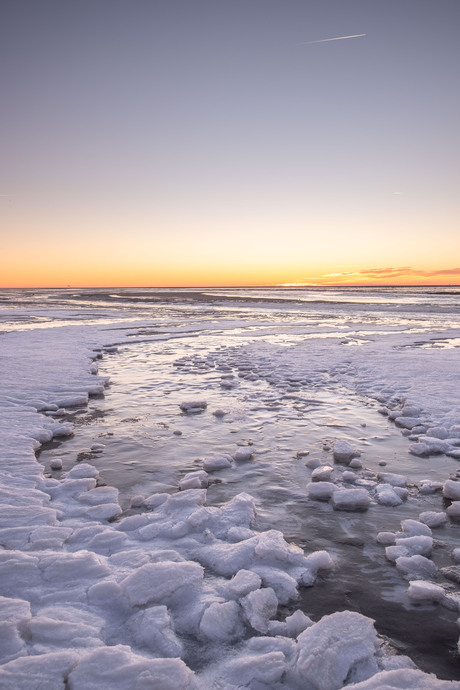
(225, 287)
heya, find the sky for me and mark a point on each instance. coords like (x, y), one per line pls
(229, 142)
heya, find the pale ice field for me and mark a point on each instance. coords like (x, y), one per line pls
(242, 488)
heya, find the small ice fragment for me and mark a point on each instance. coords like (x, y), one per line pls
(193, 406)
(312, 463)
(219, 413)
(322, 473)
(451, 490)
(259, 606)
(416, 567)
(222, 621)
(242, 455)
(386, 538)
(419, 449)
(152, 628)
(453, 510)
(297, 623)
(82, 470)
(420, 590)
(349, 477)
(429, 487)
(320, 491)
(350, 499)
(407, 422)
(433, 518)
(217, 462)
(344, 451)
(355, 463)
(242, 583)
(155, 500)
(415, 528)
(456, 555)
(97, 447)
(393, 479)
(56, 464)
(194, 480)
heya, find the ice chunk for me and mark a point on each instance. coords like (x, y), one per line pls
(386, 538)
(193, 406)
(152, 628)
(414, 528)
(284, 586)
(217, 462)
(350, 499)
(243, 455)
(410, 546)
(242, 583)
(349, 477)
(387, 496)
(320, 491)
(453, 511)
(48, 671)
(420, 590)
(344, 451)
(416, 567)
(407, 422)
(433, 518)
(118, 668)
(159, 582)
(97, 447)
(101, 494)
(322, 473)
(429, 487)
(194, 480)
(259, 606)
(451, 490)
(355, 463)
(56, 464)
(297, 623)
(338, 650)
(73, 568)
(319, 560)
(83, 469)
(393, 479)
(222, 621)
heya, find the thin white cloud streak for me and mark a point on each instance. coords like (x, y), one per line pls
(337, 38)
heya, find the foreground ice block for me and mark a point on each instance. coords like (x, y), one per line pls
(340, 648)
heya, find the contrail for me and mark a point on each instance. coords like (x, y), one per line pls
(324, 40)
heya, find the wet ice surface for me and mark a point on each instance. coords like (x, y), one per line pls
(266, 401)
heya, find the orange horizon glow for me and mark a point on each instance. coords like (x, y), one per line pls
(407, 277)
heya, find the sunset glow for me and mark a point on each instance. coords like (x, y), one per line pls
(219, 144)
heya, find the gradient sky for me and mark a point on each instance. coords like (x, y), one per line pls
(195, 142)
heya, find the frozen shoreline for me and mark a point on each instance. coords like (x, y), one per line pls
(76, 583)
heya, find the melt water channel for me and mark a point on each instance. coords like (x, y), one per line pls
(150, 444)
